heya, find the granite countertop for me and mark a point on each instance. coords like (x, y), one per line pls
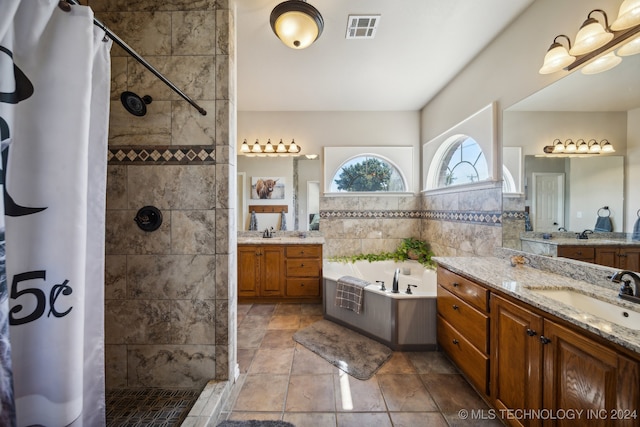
(591, 241)
(521, 281)
(280, 240)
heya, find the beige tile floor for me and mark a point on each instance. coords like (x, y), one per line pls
(282, 380)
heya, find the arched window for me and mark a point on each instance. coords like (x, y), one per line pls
(459, 160)
(368, 173)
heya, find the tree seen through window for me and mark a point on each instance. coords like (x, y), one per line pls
(367, 174)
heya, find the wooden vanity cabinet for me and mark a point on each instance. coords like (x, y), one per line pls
(260, 271)
(516, 359)
(625, 258)
(538, 363)
(581, 373)
(463, 326)
(580, 253)
(273, 273)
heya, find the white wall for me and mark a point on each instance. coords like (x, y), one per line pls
(595, 182)
(507, 70)
(314, 130)
(632, 168)
(533, 130)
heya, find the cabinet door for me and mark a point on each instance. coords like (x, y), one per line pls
(516, 359)
(581, 253)
(248, 270)
(272, 271)
(582, 374)
(607, 256)
(630, 259)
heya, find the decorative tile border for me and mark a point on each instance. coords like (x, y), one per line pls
(485, 218)
(370, 214)
(162, 155)
(514, 215)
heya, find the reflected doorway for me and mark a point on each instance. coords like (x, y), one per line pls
(548, 201)
(313, 205)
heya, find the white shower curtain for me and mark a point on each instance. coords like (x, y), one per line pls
(54, 101)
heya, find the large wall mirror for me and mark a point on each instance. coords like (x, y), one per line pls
(600, 106)
(298, 179)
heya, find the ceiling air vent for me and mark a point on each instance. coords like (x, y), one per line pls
(362, 26)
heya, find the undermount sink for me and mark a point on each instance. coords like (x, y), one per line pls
(605, 310)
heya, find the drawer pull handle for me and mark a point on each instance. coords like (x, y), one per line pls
(455, 284)
(301, 265)
(544, 340)
(455, 341)
(455, 307)
(531, 332)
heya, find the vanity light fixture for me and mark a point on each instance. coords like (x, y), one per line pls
(601, 64)
(628, 15)
(569, 147)
(595, 43)
(583, 147)
(296, 23)
(557, 57)
(256, 149)
(591, 35)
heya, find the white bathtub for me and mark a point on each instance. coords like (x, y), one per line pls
(400, 320)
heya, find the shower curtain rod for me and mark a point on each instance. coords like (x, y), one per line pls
(141, 60)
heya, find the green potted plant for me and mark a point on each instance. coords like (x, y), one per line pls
(414, 249)
(410, 249)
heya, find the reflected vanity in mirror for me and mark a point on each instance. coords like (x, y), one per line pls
(569, 191)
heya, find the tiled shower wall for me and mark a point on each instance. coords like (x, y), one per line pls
(168, 293)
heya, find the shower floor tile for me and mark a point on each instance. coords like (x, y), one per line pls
(148, 407)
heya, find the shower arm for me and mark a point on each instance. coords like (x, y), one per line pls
(117, 40)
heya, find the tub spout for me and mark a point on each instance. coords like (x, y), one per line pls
(394, 289)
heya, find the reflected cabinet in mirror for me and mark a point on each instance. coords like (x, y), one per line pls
(569, 192)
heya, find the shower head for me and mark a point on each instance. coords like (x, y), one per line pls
(134, 104)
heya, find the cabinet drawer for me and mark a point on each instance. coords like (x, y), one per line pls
(303, 287)
(577, 252)
(463, 288)
(471, 323)
(473, 363)
(303, 267)
(303, 251)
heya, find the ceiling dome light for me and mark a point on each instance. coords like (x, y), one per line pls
(591, 36)
(601, 64)
(296, 23)
(628, 16)
(557, 57)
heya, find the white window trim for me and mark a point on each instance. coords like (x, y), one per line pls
(401, 157)
(481, 126)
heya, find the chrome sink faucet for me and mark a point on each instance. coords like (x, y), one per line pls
(626, 291)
